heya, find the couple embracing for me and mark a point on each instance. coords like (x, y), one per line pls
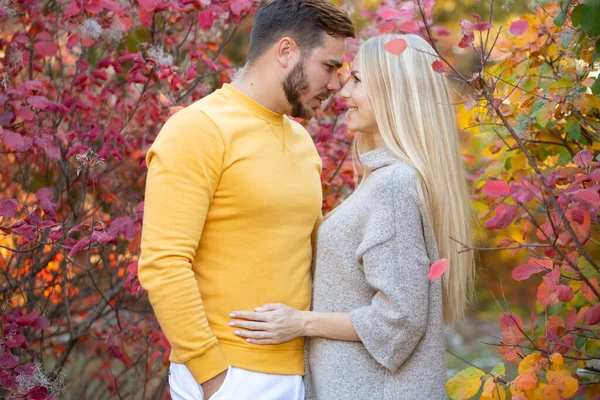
(259, 296)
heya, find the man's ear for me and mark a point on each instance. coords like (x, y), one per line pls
(287, 52)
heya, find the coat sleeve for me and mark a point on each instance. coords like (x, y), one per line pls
(396, 268)
(184, 168)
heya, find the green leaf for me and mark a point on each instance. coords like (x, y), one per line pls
(560, 18)
(590, 20)
(574, 130)
(576, 15)
(596, 86)
(580, 342)
(592, 3)
(598, 45)
(564, 157)
(464, 384)
(499, 369)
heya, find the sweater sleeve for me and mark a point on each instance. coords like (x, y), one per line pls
(393, 324)
(184, 167)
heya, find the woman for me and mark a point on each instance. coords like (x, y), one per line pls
(377, 321)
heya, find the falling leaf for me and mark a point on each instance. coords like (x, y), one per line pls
(396, 46)
(437, 269)
(439, 66)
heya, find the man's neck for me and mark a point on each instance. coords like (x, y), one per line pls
(267, 92)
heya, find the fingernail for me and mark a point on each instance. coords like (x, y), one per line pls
(232, 315)
(232, 324)
(237, 332)
(258, 309)
(249, 340)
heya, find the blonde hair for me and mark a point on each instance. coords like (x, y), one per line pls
(412, 107)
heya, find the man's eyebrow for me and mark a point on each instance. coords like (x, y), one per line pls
(335, 63)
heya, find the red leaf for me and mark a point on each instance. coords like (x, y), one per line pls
(72, 41)
(26, 320)
(13, 140)
(437, 269)
(519, 27)
(148, 5)
(79, 246)
(39, 102)
(525, 271)
(439, 66)
(33, 85)
(503, 218)
(38, 393)
(93, 6)
(395, 46)
(40, 323)
(564, 293)
(571, 319)
(481, 26)
(496, 189)
(206, 19)
(72, 9)
(8, 208)
(45, 49)
(583, 158)
(592, 316)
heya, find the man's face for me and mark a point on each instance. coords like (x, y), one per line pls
(314, 77)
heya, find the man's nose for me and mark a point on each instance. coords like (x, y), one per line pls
(334, 84)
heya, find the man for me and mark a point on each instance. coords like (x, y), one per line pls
(232, 197)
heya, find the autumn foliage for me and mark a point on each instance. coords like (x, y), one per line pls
(85, 86)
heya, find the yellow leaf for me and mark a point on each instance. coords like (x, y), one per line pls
(546, 392)
(530, 363)
(493, 391)
(557, 360)
(563, 381)
(464, 384)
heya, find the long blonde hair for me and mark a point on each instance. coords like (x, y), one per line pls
(416, 119)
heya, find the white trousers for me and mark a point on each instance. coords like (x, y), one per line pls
(239, 384)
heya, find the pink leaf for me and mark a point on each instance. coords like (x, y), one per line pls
(389, 13)
(39, 102)
(439, 66)
(13, 140)
(395, 46)
(411, 26)
(525, 271)
(503, 218)
(52, 150)
(583, 158)
(239, 6)
(496, 189)
(8, 208)
(33, 85)
(45, 49)
(40, 323)
(79, 246)
(571, 319)
(592, 316)
(519, 27)
(437, 269)
(589, 195)
(481, 26)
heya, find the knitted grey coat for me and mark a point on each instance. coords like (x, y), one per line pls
(373, 257)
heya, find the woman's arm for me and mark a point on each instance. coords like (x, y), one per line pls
(278, 323)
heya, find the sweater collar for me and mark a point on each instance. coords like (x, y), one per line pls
(253, 106)
(378, 158)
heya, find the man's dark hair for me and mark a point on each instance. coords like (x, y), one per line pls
(305, 21)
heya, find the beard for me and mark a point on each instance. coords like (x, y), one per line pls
(294, 85)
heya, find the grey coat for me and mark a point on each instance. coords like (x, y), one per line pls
(373, 257)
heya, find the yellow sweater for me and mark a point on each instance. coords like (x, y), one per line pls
(232, 196)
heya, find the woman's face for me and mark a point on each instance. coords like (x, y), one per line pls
(360, 114)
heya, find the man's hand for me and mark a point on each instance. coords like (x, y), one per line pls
(212, 385)
(270, 324)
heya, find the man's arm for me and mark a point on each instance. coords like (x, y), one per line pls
(184, 167)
